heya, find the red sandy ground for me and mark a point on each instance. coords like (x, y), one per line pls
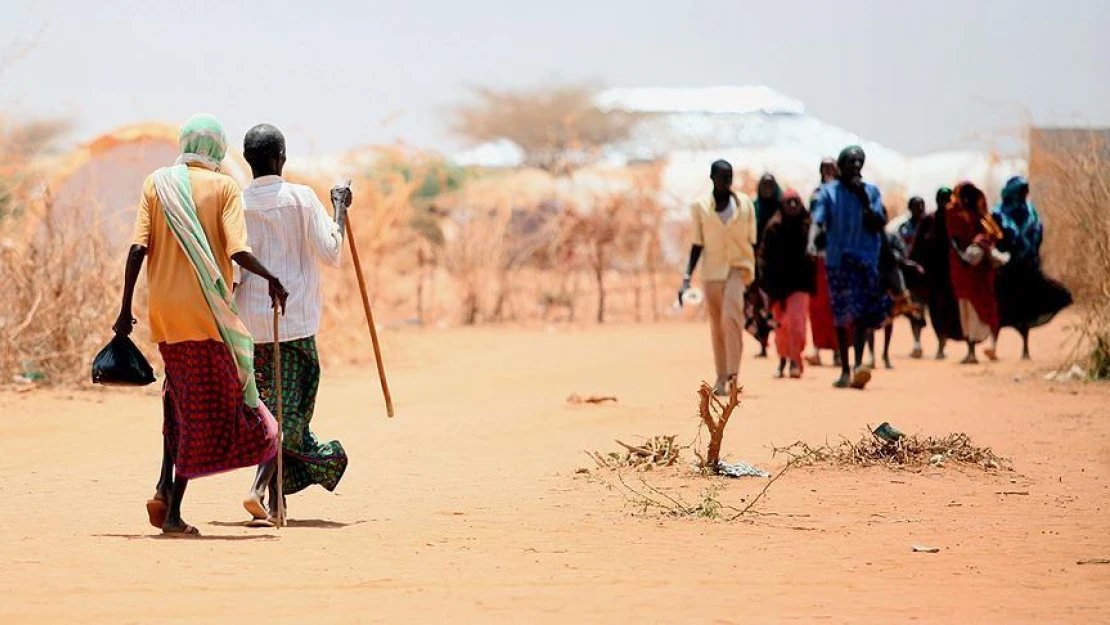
(466, 507)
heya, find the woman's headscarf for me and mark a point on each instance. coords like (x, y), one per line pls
(1019, 220)
(203, 141)
(944, 198)
(847, 153)
(977, 209)
(766, 208)
(1012, 204)
(781, 217)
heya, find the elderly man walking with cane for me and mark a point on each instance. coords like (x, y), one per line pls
(291, 232)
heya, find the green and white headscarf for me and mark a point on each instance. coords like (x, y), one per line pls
(203, 141)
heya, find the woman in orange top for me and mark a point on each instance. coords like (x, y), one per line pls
(190, 223)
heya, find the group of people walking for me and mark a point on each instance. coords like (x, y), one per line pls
(222, 260)
(213, 322)
(773, 264)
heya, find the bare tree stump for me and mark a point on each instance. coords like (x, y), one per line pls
(715, 416)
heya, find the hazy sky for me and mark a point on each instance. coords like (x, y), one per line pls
(916, 76)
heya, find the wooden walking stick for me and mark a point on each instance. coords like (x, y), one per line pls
(366, 304)
(280, 504)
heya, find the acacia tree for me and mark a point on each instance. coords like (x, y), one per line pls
(556, 128)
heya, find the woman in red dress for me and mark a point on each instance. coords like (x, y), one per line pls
(973, 234)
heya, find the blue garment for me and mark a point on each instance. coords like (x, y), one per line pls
(1021, 226)
(908, 230)
(857, 294)
(839, 210)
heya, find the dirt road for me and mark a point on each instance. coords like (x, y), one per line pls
(467, 508)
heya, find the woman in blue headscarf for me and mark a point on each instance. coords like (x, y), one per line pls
(1026, 297)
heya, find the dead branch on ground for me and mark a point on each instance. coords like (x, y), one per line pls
(655, 452)
(909, 452)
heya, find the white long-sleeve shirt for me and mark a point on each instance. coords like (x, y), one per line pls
(290, 233)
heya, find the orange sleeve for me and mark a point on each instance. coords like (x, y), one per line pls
(233, 222)
(141, 235)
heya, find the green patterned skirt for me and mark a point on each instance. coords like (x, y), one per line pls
(306, 460)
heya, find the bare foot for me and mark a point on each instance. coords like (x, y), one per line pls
(887, 363)
(941, 355)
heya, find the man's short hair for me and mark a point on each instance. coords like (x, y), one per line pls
(262, 142)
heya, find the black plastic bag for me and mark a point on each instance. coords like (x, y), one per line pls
(120, 363)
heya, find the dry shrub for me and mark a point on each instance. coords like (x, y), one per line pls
(908, 452)
(655, 452)
(60, 297)
(58, 301)
(380, 222)
(1068, 173)
(619, 233)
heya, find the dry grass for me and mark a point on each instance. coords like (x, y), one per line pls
(60, 298)
(909, 452)
(1068, 177)
(58, 302)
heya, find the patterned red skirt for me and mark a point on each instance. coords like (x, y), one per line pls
(205, 420)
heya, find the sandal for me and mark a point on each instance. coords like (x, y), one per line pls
(187, 532)
(254, 507)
